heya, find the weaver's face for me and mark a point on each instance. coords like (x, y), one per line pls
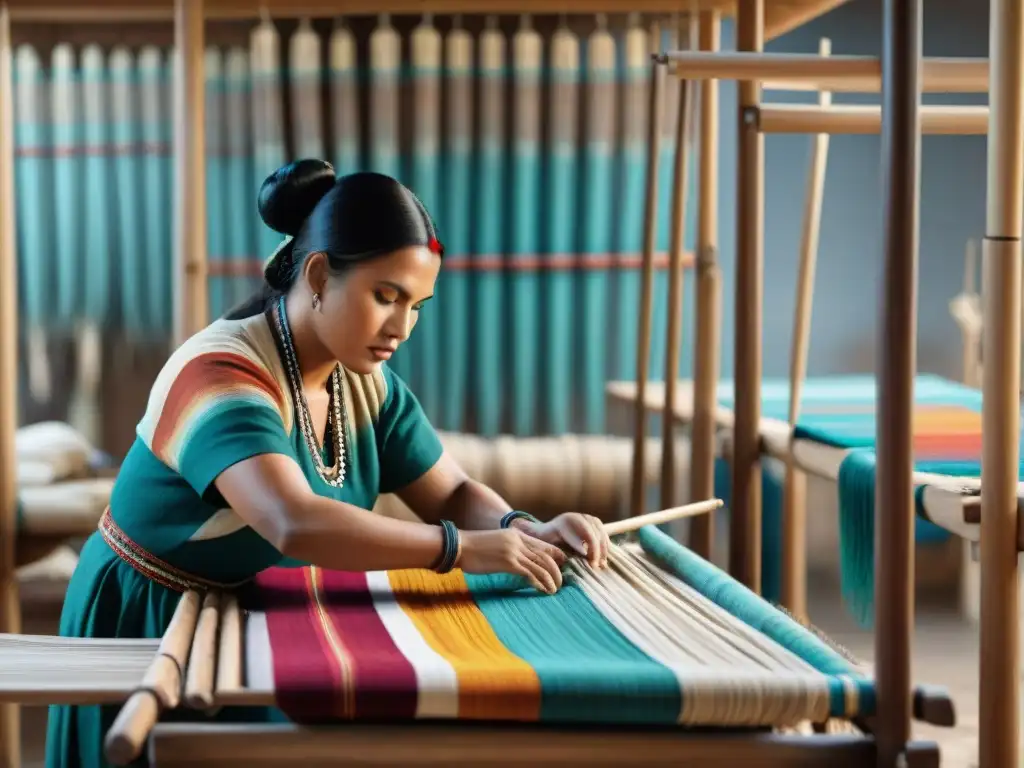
(370, 311)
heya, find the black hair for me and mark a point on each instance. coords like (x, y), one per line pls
(350, 219)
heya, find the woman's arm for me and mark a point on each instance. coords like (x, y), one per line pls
(270, 493)
(446, 491)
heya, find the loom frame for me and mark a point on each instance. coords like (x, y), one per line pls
(901, 121)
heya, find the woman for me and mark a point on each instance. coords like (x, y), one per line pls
(269, 435)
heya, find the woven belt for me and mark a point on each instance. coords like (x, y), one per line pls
(152, 567)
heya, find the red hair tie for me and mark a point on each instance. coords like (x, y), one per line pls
(435, 246)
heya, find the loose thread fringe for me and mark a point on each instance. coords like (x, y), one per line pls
(857, 479)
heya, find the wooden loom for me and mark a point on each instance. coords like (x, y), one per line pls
(992, 516)
(732, 757)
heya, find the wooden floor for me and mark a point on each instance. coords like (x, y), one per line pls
(946, 653)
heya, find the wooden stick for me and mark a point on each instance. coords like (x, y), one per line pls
(161, 687)
(894, 488)
(709, 303)
(655, 115)
(867, 119)
(202, 660)
(861, 74)
(794, 493)
(190, 278)
(999, 714)
(674, 336)
(745, 526)
(618, 527)
(10, 614)
(229, 648)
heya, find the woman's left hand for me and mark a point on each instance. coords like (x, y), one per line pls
(583, 534)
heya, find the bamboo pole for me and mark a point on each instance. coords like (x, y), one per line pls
(849, 74)
(745, 526)
(655, 111)
(190, 270)
(674, 335)
(709, 303)
(897, 364)
(999, 745)
(10, 616)
(794, 494)
(867, 119)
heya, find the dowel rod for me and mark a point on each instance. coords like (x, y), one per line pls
(745, 526)
(850, 74)
(708, 300)
(897, 364)
(794, 493)
(867, 119)
(677, 230)
(190, 273)
(655, 113)
(999, 711)
(10, 615)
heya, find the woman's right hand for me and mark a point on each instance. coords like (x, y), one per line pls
(511, 551)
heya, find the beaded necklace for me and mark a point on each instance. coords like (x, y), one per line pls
(337, 417)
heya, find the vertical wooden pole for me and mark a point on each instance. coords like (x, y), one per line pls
(10, 614)
(998, 740)
(709, 302)
(745, 527)
(677, 244)
(897, 365)
(655, 109)
(191, 306)
(794, 489)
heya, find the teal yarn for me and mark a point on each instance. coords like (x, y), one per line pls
(857, 480)
(745, 605)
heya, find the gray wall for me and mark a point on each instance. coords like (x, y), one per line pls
(847, 288)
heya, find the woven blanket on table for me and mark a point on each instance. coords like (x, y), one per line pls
(414, 644)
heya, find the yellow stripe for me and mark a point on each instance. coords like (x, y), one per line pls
(493, 682)
(315, 583)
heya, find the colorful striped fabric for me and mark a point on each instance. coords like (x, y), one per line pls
(415, 644)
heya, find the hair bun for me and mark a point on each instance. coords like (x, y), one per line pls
(289, 194)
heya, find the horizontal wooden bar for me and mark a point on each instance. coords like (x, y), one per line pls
(867, 119)
(779, 17)
(467, 744)
(850, 74)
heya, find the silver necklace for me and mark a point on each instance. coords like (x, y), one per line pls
(337, 417)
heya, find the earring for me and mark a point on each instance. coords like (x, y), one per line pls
(316, 302)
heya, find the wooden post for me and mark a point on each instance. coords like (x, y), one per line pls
(794, 490)
(191, 306)
(677, 244)
(1001, 275)
(897, 365)
(10, 614)
(655, 110)
(745, 526)
(709, 302)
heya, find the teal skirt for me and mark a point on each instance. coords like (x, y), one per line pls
(106, 597)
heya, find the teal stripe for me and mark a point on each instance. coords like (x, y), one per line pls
(746, 606)
(608, 670)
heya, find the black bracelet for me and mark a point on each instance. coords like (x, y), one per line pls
(450, 548)
(510, 517)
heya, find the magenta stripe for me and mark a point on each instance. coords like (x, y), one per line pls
(306, 680)
(385, 680)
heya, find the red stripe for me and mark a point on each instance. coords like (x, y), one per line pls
(306, 681)
(961, 447)
(203, 375)
(248, 266)
(384, 680)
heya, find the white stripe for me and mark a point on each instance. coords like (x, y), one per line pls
(436, 680)
(259, 661)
